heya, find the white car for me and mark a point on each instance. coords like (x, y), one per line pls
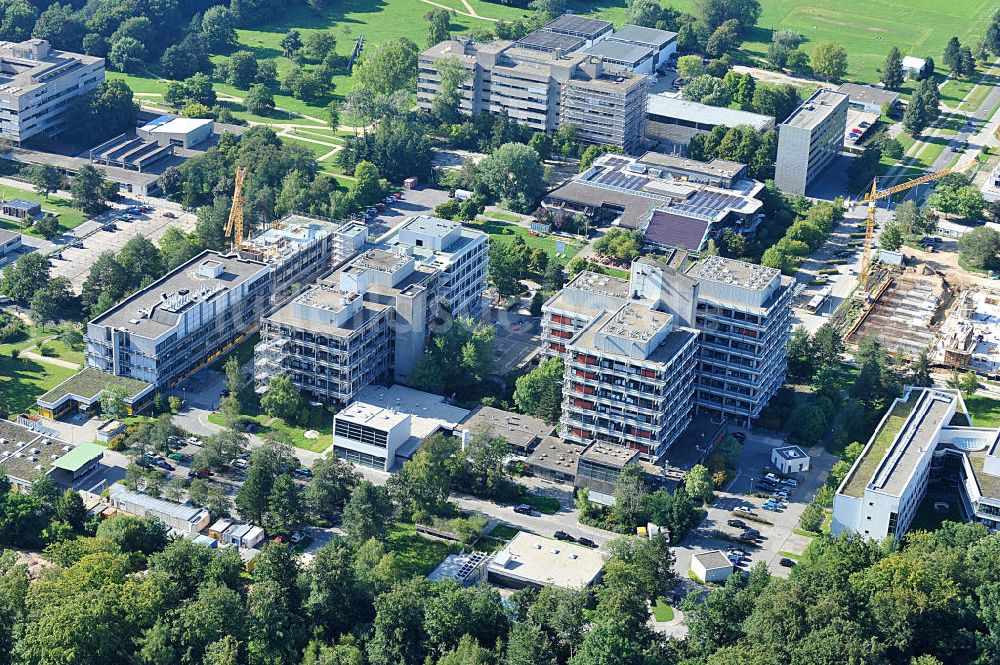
(791, 482)
(296, 538)
(239, 463)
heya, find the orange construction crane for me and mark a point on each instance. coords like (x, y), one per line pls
(234, 227)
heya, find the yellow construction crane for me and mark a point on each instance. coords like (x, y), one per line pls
(873, 196)
(234, 227)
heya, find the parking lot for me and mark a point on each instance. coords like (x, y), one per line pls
(413, 202)
(776, 537)
(75, 261)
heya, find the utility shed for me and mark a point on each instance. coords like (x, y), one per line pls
(81, 460)
(712, 566)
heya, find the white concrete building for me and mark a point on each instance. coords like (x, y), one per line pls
(789, 460)
(712, 566)
(183, 320)
(924, 440)
(179, 132)
(37, 84)
(384, 426)
(529, 560)
(810, 139)
(662, 43)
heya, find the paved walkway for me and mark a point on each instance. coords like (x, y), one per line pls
(49, 359)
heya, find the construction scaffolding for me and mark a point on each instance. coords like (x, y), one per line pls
(970, 335)
(904, 313)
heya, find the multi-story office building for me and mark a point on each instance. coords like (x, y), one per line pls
(299, 249)
(744, 315)
(924, 441)
(183, 320)
(369, 320)
(37, 84)
(810, 139)
(740, 312)
(662, 43)
(629, 381)
(457, 252)
(544, 81)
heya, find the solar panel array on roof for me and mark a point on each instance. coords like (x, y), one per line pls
(709, 203)
(621, 179)
(550, 41)
(671, 230)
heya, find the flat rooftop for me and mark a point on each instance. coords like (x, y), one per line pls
(604, 285)
(80, 456)
(520, 430)
(713, 559)
(548, 562)
(715, 167)
(816, 109)
(591, 27)
(682, 109)
(790, 453)
(543, 40)
(605, 454)
(156, 309)
(639, 323)
(730, 271)
(556, 454)
(620, 51)
(31, 63)
(380, 260)
(868, 94)
(88, 383)
(371, 415)
(182, 511)
(429, 412)
(643, 35)
(332, 298)
(432, 226)
(26, 454)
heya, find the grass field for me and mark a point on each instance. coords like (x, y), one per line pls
(22, 380)
(69, 217)
(985, 411)
(505, 232)
(416, 555)
(662, 611)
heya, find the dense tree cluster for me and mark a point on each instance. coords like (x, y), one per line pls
(457, 360)
(804, 236)
(740, 144)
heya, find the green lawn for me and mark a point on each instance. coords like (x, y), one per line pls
(504, 232)
(296, 435)
(504, 532)
(955, 90)
(63, 352)
(662, 611)
(69, 217)
(316, 149)
(415, 554)
(502, 216)
(543, 504)
(985, 411)
(22, 380)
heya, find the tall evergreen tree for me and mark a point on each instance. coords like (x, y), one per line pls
(951, 54)
(892, 70)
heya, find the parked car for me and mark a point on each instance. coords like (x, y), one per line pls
(791, 482)
(744, 510)
(770, 506)
(239, 463)
(737, 523)
(773, 478)
(194, 441)
(303, 471)
(562, 535)
(522, 509)
(146, 208)
(586, 542)
(179, 457)
(734, 559)
(296, 538)
(169, 215)
(786, 562)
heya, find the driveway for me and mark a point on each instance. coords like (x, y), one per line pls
(778, 537)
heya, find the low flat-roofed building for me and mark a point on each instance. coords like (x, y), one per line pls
(672, 121)
(529, 560)
(80, 461)
(184, 518)
(913, 66)
(588, 29)
(83, 392)
(21, 210)
(790, 459)
(10, 241)
(868, 98)
(712, 566)
(467, 568)
(109, 429)
(923, 440)
(181, 132)
(555, 460)
(658, 190)
(384, 426)
(663, 43)
(598, 467)
(623, 56)
(26, 455)
(522, 432)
